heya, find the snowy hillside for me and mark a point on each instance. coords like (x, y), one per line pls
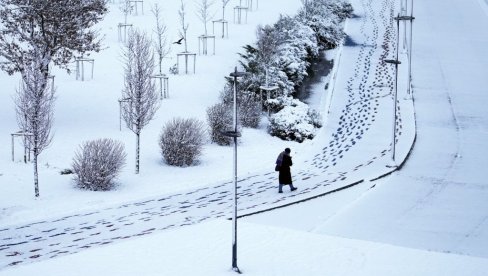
(90, 110)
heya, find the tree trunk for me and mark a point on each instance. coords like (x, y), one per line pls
(36, 175)
(137, 152)
(186, 45)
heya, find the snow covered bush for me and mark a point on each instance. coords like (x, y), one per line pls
(248, 105)
(219, 118)
(325, 18)
(249, 110)
(294, 122)
(300, 48)
(181, 141)
(342, 9)
(98, 163)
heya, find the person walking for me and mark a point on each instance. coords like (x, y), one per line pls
(283, 163)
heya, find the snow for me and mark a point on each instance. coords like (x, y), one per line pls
(429, 218)
(89, 110)
(263, 250)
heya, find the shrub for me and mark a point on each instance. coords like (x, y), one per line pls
(248, 106)
(97, 164)
(219, 117)
(249, 110)
(181, 141)
(295, 123)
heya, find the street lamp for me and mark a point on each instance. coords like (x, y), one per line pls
(395, 93)
(396, 62)
(235, 133)
(409, 18)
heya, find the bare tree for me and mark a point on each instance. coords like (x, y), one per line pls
(142, 102)
(184, 25)
(126, 9)
(224, 4)
(161, 42)
(203, 13)
(34, 107)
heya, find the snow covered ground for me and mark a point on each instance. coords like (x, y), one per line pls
(204, 249)
(437, 202)
(89, 110)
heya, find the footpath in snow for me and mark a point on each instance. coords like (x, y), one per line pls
(204, 249)
(438, 200)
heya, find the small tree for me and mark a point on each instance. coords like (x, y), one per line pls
(161, 42)
(203, 13)
(219, 118)
(35, 113)
(142, 102)
(224, 4)
(181, 141)
(126, 9)
(184, 26)
(97, 164)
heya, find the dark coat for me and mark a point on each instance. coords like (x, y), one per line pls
(285, 174)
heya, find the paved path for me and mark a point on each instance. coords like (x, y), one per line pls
(443, 188)
(367, 98)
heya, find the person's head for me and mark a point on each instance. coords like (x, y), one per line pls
(287, 150)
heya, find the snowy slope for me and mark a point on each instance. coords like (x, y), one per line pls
(439, 200)
(204, 249)
(90, 110)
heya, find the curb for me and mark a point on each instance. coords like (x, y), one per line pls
(301, 200)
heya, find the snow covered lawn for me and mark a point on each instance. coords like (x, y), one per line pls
(89, 110)
(205, 249)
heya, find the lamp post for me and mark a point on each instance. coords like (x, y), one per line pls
(409, 18)
(235, 133)
(395, 93)
(396, 62)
